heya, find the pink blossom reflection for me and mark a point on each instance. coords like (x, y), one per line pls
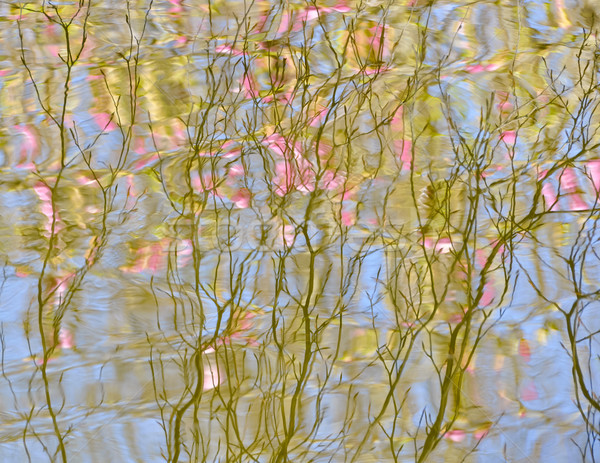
(455, 435)
(104, 121)
(529, 391)
(53, 221)
(288, 234)
(404, 153)
(509, 137)
(228, 49)
(577, 203)
(241, 199)
(65, 339)
(488, 295)
(212, 377)
(29, 145)
(331, 180)
(441, 245)
(348, 218)
(568, 180)
(550, 198)
(594, 172)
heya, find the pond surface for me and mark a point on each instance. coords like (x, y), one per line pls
(270, 232)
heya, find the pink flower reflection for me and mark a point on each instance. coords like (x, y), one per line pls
(524, 350)
(47, 208)
(576, 203)
(550, 198)
(332, 180)
(212, 377)
(348, 218)
(237, 170)
(309, 14)
(284, 24)
(176, 8)
(249, 87)
(397, 123)
(404, 153)
(288, 234)
(150, 257)
(29, 145)
(568, 180)
(477, 68)
(529, 391)
(204, 184)
(455, 435)
(312, 13)
(281, 146)
(284, 178)
(65, 339)
(341, 7)
(488, 295)
(242, 198)
(144, 162)
(43, 192)
(509, 137)
(155, 258)
(296, 174)
(594, 172)
(104, 121)
(139, 145)
(442, 245)
(318, 118)
(228, 49)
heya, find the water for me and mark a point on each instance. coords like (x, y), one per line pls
(287, 232)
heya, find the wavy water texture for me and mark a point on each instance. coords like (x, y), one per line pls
(299, 231)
